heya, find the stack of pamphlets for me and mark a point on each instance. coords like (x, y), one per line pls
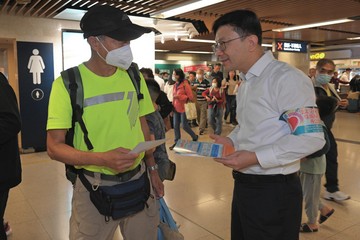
(202, 149)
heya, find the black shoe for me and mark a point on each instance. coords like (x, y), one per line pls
(234, 123)
(172, 147)
(195, 124)
(196, 138)
(201, 133)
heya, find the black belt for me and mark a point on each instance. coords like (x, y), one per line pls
(253, 178)
(120, 177)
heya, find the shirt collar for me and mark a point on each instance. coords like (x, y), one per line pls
(259, 66)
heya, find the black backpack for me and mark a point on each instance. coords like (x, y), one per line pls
(73, 83)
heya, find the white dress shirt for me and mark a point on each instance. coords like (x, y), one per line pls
(160, 81)
(168, 89)
(269, 89)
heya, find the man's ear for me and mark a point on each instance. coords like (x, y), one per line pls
(252, 41)
(94, 43)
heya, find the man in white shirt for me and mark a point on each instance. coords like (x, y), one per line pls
(278, 125)
(311, 75)
(159, 80)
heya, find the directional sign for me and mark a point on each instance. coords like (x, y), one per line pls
(297, 47)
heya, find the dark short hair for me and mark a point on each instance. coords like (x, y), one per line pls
(218, 64)
(157, 71)
(179, 72)
(148, 72)
(193, 73)
(244, 22)
(324, 61)
(154, 88)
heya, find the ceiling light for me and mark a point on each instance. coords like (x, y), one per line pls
(266, 45)
(286, 29)
(75, 3)
(198, 40)
(91, 5)
(213, 41)
(183, 8)
(160, 50)
(354, 38)
(83, 4)
(198, 52)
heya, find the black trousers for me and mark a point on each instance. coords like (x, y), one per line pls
(3, 201)
(331, 174)
(267, 209)
(230, 108)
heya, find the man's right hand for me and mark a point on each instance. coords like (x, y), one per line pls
(119, 159)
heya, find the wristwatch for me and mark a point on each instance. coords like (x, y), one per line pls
(153, 168)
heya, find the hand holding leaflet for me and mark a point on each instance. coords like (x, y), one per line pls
(202, 149)
(144, 146)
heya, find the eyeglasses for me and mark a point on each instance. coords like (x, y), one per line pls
(222, 45)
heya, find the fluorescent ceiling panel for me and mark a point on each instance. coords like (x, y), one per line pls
(319, 24)
(183, 8)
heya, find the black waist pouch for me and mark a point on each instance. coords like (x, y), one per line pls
(120, 200)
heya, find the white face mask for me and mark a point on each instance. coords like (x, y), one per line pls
(199, 76)
(214, 85)
(173, 78)
(119, 57)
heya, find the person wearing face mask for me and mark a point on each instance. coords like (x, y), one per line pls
(201, 85)
(215, 96)
(116, 123)
(181, 94)
(326, 96)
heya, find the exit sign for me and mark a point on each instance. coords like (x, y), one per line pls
(285, 46)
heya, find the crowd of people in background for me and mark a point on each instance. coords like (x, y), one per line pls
(266, 165)
(213, 94)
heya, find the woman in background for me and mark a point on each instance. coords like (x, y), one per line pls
(229, 85)
(215, 97)
(181, 94)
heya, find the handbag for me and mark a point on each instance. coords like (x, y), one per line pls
(190, 111)
(167, 228)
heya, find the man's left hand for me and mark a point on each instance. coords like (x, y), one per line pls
(157, 184)
(239, 160)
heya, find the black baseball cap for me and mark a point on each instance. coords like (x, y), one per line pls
(111, 22)
(348, 69)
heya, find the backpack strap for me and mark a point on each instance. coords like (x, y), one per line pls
(133, 72)
(73, 83)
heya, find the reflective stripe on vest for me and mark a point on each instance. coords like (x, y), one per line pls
(110, 97)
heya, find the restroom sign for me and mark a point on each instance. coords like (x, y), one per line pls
(36, 75)
(286, 46)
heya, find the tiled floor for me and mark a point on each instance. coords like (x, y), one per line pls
(199, 197)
